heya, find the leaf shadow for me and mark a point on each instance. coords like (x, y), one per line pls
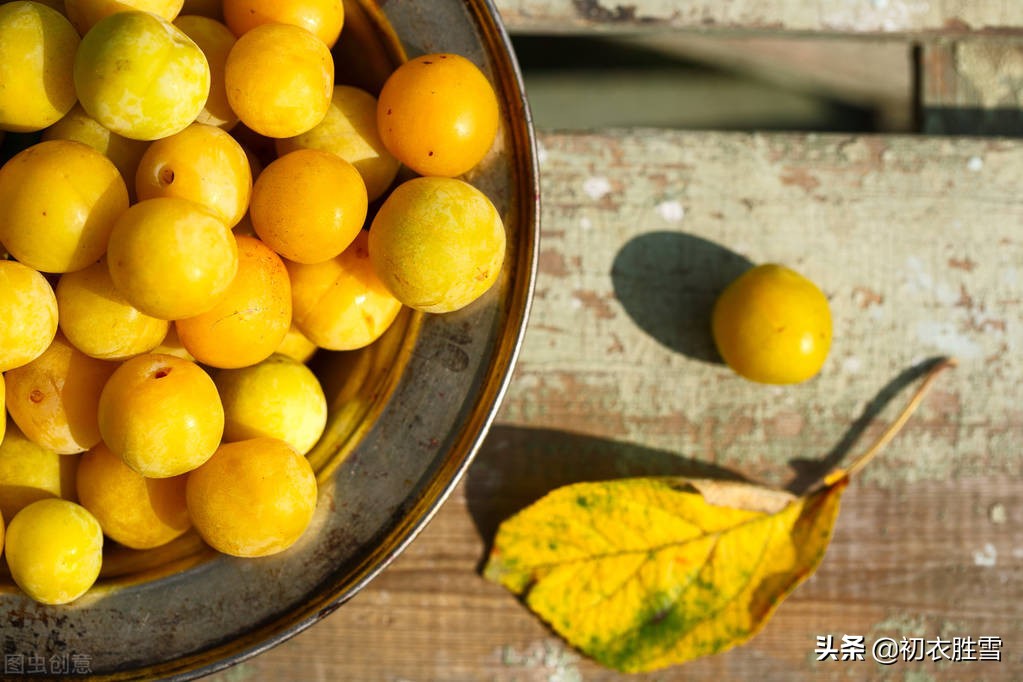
(517, 466)
(668, 281)
(810, 471)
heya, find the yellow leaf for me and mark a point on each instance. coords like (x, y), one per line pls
(644, 573)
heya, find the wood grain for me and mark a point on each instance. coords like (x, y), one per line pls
(918, 18)
(915, 240)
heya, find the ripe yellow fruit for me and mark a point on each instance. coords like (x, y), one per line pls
(296, 345)
(437, 244)
(438, 114)
(203, 164)
(772, 325)
(341, 304)
(53, 398)
(349, 130)
(161, 415)
(171, 258)
(308, 205)
(215, 40)
(54, 549)
(252, 498)
(140, 76)
(135, 511)
(58, 203)
(278, 398)
(28, 309)
(279, 79)
(84, 14)
(322, 18)
(99, 321)
(252, 317)
(30, 472)
(37, 52)
(171, 345)
(80, 127)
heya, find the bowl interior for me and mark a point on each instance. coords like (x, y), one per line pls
(406, 416)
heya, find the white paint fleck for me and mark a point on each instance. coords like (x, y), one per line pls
(550, 656)
(997, 513)
(672, 211)
(860, 15)
(527, 381)
(915, 269)
(596, 187)
(852, 365)
(903, 624)
(945, 294)
(944, 337)
(575, 303)
(975, 164)
(986, 557)
(919, 278)
(585, 223)
(1008, 276)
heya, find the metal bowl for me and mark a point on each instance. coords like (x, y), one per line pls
(407, 415)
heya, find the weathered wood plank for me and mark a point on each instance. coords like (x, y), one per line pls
(972, 87)
(431, 618)
(866, 17)
(917, 243)
(915, 240)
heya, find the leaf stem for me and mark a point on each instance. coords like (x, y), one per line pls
(893, 429)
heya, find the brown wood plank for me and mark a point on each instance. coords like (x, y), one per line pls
(868, 18)
(917, 243)
(430, 617)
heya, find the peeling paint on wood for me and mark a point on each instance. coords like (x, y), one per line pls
(873, 17)
(917, 257)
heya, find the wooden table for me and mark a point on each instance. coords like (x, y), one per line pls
(917, 241)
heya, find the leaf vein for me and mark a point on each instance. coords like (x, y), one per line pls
(656, 548)
(712, 614)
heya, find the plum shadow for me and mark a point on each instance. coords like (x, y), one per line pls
(668, 281)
